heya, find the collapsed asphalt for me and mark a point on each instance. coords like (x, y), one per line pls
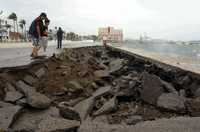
(93, 85)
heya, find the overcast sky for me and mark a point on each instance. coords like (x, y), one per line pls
(165, 19)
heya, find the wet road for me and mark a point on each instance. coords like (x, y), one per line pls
(19, 54)
(16, 55)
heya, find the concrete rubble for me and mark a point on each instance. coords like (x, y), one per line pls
(93, 89)
(8, 115)
(172, 102)
(13, 96)
(52, 124)
(152, 88)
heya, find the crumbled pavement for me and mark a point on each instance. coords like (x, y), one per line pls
(93, 89)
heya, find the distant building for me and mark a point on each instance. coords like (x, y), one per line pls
(5, 31)
(113, 35)
(14, 36)
(194, 42)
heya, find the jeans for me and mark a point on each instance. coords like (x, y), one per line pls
(35, 41)
(59, 44)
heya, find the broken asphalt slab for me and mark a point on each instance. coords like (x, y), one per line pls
(180, 124)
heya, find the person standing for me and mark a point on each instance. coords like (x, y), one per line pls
(35, 31)
(105, 41)
(59, 38)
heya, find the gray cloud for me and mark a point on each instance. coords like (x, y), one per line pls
(168, 19)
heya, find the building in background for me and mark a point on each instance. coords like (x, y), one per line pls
(3, 30)
(112, 34)
(6, 34)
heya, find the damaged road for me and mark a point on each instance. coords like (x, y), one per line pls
(93, 89)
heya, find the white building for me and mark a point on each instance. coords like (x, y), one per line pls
(113, 35)
(4, 34)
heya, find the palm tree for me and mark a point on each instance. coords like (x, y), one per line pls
(22, 24)
(0, 22)
(13, 17)
(22, 27)
(1, 12)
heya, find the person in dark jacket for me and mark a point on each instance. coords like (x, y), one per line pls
(59, 38)
(36, 33)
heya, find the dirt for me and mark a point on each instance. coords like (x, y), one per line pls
(80, 68)
(61, 72)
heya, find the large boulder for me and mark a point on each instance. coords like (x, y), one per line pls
(52, 124)
(171, 101)
(30, 119)
(7, 116)
(13, 96)
(152, 88)
(33, 98)
(38, 100)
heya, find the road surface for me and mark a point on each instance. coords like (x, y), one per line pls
(18, 54)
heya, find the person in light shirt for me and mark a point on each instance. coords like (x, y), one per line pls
(104, 41)
(44, 34)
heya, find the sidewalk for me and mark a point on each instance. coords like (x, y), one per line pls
(50, 43)
(25, 44)
(18, 54)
